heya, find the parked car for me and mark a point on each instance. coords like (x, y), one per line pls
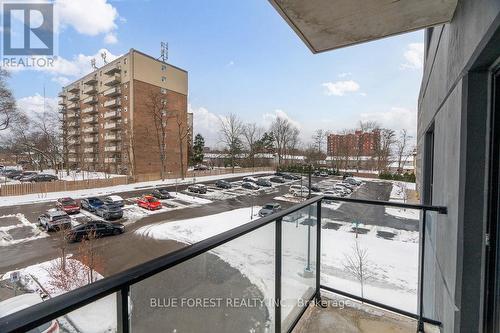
(347, 175)
(264, 182)
(277, 179)
(279, 174)
(346, 186)
(69, 205)
(200, 167)
(109, 211)
(27, 178)
(149, 202)
(323, 174)
(24, 301)
(299, 190)
(11, 173)
(42, 177)
(54, 219)
(296, 177)
(114, 200)
(316, 173)
(197, 188)
(315, 188)
(24, 174)
(333, 194)
(250, 186)
(269, 209)
(341, 189)
(250, 179)
(94, 229)
(161, 193)
(223, 184)
(91, 204)
(288, 176)
(352, 181)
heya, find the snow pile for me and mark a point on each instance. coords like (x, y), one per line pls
(399, 194)
(97, 317)
(6, 238)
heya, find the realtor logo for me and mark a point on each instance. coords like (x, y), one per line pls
(28, 29)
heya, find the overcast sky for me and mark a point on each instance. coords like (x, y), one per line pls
(242, 58)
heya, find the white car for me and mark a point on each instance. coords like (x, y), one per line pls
(114, 200)
(341, 189)
(299, 191)
(250, 179)
(18, 303)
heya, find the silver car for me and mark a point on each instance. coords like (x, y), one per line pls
(269, 209)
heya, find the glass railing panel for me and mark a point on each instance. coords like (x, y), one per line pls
(229, 289)
(371, 251)
(298, 263)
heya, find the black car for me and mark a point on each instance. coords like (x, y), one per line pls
(12, 173)
(223, 184)
(109, 212)
(277, 179)
(91, 204)
(347, 175)
(264, 182)
(94, 229)
(24, 174)
(200, 167)
(315, 188)
(288, 176)
(43, 178)
(279, 174)
(161, 193)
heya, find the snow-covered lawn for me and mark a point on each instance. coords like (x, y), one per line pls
(399, 194)
(52, 196)
(97, 317)
(393, 263)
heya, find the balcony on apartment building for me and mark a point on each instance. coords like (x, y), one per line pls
(73, 124)
(112, 103)
(90, 100)
(72, 151)
(91, 79)
(112, 114)
(287, 263)
(90, 129)
(71, 114)
(113, 125)
(111, 160)
(73, 97)
(90, 159)
(113, 80)
(90, 139)
(73, 106)
(89, 110)
(112, 69)
(90, 120)
(61, 101)
(73, 142)
(90, 150)
(111, 92)
(72, 159)
(112, 137)
(74, 88)
(90, 90)
(112, 148)
(73, 132)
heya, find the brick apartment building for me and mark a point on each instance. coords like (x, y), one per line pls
(350, 143)
(107, 120)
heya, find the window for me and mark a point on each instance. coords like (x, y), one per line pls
(163, 79)
(124, 61)
(125, 109)
(163, 68)
(428, 166)
(126, 97)
(163, 90)
(124, 72)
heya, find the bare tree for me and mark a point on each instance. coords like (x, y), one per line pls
(252, 134)
(157, 107)
(231, 130)
(402, 149)
(8, 111)
(319, 138)
(364, 128)
(182, 134)
(90, 256)
(358, 266)
(286, 137)
(383, 148)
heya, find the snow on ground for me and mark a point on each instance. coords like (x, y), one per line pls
(52, 196)
(9, 232)
(97, 317)
(82, 175)
(393, 262)
(399, 194)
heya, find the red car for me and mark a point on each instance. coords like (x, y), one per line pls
(69, 205)
(149, 202)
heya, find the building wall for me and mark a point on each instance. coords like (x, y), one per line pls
(454, 242)
(146, 150)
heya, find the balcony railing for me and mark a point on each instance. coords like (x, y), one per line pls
(71, 114)
(112, 125)
(112, 103)
(90, 79)
(90, 139)
(112, 69)
(74, 88)
(73, 97)
(112, 114)
(89, 110)
(89, 120)
(292, 242)
(115, 91)
(90, 100)
(114, 79)
(92, 129)
(73, 106)
(112, 137)
(73, 124)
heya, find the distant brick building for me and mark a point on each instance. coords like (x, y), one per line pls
(358, 143)
(107, 123)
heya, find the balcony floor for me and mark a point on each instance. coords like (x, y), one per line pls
(354, 317)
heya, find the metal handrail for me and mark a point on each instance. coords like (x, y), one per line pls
(51, 309)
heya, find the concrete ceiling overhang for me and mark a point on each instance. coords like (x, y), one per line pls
(329, 24)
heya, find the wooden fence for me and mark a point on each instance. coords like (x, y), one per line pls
(191, 173)
(64, 185)
(59, 186)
